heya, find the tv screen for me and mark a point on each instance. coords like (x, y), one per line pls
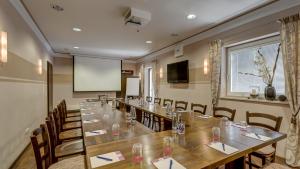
(178, 72)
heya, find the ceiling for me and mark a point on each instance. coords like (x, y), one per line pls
(105, 34)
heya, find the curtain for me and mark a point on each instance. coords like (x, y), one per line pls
(290, 51)
(154, 75)
(142, 79)
(215, 51)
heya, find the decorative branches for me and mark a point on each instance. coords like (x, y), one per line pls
(264, 71)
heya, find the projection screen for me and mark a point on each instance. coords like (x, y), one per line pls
(96, 74)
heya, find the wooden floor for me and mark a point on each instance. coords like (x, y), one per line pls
(27, 160)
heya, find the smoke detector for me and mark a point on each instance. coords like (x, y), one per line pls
(136, 17)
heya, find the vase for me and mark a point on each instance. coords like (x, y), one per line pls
(270, 92)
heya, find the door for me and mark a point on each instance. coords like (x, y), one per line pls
(49, 87)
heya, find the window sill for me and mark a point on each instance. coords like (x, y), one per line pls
(256, 101)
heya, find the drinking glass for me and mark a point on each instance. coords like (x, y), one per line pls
(216, 134)
(133, 115)
(115, 129)
(181, 127)
(137, 153)
(167, 150)
(243, 126)
(224, 121)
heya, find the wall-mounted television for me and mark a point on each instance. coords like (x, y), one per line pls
(178, 72)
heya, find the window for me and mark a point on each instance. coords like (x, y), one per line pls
(241, 69)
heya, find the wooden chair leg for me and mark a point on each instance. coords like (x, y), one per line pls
(263, 161)
(250, 161)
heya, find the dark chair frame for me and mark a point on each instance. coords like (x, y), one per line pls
(157, 100)
(224, 109)
(148, 99)
(276, 128)
(166, 101)
(181, 105)
(203, 107)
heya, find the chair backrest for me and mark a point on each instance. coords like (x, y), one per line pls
(277, 120)
(52, 137)
(148, 99)
(157, 100)
(220, 112)
(57, 121)
(39, 140)
(181, 105)
(166, 101)
(198, 108)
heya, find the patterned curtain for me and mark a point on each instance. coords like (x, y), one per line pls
(215, 50)
(290, 51)
(142, 74)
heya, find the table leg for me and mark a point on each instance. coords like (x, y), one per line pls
(237, 164)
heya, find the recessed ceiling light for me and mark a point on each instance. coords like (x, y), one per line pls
(76, 47)
(77, 29)
(148, 41)
(191, 16)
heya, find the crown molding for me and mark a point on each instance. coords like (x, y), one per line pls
(29, 20)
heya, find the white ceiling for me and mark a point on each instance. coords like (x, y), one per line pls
(103, 30)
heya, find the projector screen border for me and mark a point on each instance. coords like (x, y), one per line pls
(95, 90)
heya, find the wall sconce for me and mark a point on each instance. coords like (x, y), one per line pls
(161, 73)
(3, 47)
(40, 66)
(205, 68)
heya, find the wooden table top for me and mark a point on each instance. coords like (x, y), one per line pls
(105, 123)
(190, 149)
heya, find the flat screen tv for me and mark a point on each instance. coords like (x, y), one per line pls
(178, 72)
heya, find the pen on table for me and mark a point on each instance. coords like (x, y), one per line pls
(96, 132)
(171, 163)
(257, 135)
(104, 158)
(223, 145)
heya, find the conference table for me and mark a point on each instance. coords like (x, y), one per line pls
(191, 149)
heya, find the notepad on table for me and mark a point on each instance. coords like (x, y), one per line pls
(223, 147)
(204, 116)
(257, 136)
(167, 163)
(90, 121)
(104, 159)
(95, 133)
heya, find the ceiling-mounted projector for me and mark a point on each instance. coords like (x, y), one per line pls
(137, 17)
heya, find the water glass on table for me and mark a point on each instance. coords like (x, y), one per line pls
(244, 126)
(216, 134)
(137, 153)
(167, 149)
(115, 129)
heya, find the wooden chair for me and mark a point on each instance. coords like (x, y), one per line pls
(181, 105)
(147, 119)
(67, 119)
(166, 101)
(149, 99)
(70, 113)
(157, 124)
(67, 134)
(198, 108)
(157, 101)
(41, 148)
(267, 152)
(64, 149)
(67, 125)
(220, 112)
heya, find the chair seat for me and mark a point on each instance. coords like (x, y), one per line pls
(73, 119)
(268, 150)
(74, 114)
(73, 111)
(276, 166)
(72, 125)
(69, 148)
(70, 134)
(77, 162)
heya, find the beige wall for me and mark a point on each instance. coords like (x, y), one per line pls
(23, 98)
(63, 83)
(198, 89)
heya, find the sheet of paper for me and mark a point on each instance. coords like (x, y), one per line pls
(239, 125)
(95, 133)
(98, 162)
(204, 116)
(85, 114)
(257, 136)
(164, 163)
(91, 121)
(218, 146)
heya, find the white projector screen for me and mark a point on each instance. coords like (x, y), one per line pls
(96, 74)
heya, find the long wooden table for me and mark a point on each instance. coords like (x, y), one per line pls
(190, 149)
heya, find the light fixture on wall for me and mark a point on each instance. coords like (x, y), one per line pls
(3, 47)
(161, 73)
(205, 67)
(40, 66)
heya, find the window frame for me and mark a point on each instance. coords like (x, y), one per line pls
(263, 40)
